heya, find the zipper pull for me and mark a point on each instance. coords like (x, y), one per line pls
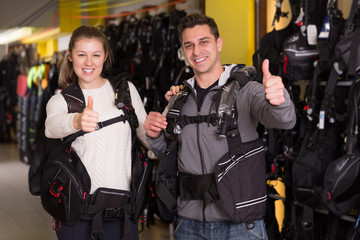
(322, 119)
(357, 222)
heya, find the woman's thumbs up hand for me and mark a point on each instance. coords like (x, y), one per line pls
(88, 119)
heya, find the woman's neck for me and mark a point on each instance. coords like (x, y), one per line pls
(92, 85)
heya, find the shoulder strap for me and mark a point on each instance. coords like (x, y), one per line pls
(174, 113)
(123, 101)
(227, 111)
(76, 103)
(74, 98)
(226, 116)
(240, 75)
(352, 124)
(350, 23)
(225, 98)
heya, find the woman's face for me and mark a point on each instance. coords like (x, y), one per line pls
(88, 57)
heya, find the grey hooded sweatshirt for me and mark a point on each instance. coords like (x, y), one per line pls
(200, 147)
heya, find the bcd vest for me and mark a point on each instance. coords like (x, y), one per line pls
(65, 183)
(239, 181)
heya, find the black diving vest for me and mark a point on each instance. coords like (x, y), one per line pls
(239, 181)
(65, 183)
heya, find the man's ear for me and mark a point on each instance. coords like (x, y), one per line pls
(219, 43)
(68, 55)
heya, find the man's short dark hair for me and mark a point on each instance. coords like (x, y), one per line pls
(195, 19)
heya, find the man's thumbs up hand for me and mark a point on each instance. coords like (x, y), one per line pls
(88, 119)
(273, 86)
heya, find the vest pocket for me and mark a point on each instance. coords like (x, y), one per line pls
(64, 187)
(241, 183)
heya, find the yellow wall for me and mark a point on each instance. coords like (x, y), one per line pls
(66, 9)
(96, 8)
(236, 22)
(46, 48)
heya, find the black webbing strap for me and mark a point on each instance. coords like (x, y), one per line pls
(234, 140)
(331, 83)
(333, 223)
(166, 197)
(97, 232)
(106, 123)
(307, 220)
(168, 163)
(107, 204)
(329, 92)
(229, 129)
(176, 103)
(293, 215)
(185, 120)
(99, 126)
(352, 123)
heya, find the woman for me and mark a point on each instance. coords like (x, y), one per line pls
(106, 153)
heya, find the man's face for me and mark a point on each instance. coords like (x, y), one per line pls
(201, 50)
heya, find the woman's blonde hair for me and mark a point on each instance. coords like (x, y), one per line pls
(67, 75)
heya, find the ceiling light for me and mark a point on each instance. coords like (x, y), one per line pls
(14, 34)
(41, 35)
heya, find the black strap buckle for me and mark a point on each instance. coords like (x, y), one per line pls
(113, 213)
(56, 189)
(98, 235)
(99, 125)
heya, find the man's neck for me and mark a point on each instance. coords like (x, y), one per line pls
(205, 80)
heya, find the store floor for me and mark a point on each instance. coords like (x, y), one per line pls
(21, 214)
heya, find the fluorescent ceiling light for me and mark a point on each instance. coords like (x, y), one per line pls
(42, 35)
(14, 34)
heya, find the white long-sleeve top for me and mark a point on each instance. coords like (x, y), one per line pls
(106, 153)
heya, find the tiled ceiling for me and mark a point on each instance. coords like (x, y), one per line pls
(34, 13)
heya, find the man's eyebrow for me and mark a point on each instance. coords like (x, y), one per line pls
(204, 38)
(200, 39)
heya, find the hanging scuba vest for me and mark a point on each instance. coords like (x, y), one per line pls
(340, 189)
(65, 183)
(242, 196)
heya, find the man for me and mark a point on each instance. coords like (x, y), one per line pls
(200, 147)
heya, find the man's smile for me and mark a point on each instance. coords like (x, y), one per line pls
(200, 59)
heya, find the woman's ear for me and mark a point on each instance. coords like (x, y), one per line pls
(68, 55)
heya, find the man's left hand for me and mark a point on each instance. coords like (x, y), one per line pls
(273, 86)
